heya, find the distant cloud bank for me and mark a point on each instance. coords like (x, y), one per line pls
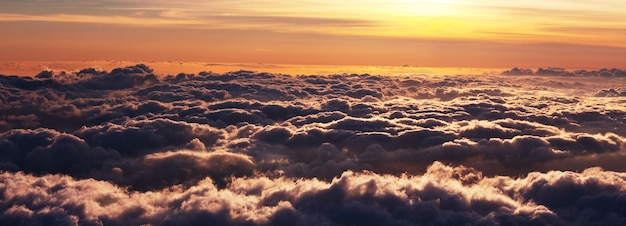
(128, 147)
(554, 71)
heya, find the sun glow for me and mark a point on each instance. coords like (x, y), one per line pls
(362, 32)
(425, 7)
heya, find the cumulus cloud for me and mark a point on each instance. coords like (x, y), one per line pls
(442, 195)
(556, 71)
(263, 149)
(47, 151)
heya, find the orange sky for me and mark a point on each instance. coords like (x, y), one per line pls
(446, 33)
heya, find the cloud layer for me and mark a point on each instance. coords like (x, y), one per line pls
(249, 148)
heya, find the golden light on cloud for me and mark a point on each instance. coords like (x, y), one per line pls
(118, 20)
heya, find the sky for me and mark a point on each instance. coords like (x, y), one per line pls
(448, 33)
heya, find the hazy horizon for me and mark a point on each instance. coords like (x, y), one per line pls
(32, 68)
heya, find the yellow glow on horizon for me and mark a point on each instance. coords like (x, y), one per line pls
(505, 21)
(355, 31)
(172, 68)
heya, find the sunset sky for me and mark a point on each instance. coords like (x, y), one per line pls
(429, 33)
(312, 112)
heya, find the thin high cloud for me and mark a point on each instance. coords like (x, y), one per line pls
(457, 20)
(117, 20)
(260, 148)
(164, 19)
(192, 15)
